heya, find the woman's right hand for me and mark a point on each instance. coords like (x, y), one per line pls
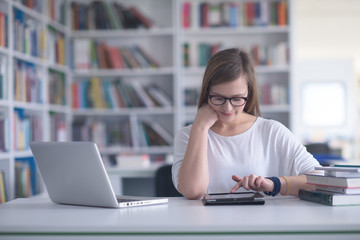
(206, 116)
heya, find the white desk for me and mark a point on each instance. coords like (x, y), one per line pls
(279, 218)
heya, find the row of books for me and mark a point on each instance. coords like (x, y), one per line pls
(117, 93)
(56, 46)
(237, 14)
(4, 37)
(56, 11)
(274, 94)
(3, 194)
(191, 96)
(105, 15)
(29, 36)
(104, 132)
(58, 131)
(3, 76)
(89, 54)
(115, 132)
(26, 183)
(4, 133)
(153, 134)
(57, 87)
(27, 82)
(338, 185)
(274, 55)
(27, 128)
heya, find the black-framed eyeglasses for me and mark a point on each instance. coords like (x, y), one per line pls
(235, 101)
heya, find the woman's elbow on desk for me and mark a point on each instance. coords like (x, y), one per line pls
(192, 193)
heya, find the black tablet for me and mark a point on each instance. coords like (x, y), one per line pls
(238, 198)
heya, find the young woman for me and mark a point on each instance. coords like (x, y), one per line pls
(229, 145)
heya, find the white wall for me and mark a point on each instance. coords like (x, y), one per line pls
(330, 29)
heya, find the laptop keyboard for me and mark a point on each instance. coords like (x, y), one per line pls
(126, 200)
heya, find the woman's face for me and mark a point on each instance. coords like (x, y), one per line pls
(237, 88)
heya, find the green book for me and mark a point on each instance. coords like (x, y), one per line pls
(329, 198)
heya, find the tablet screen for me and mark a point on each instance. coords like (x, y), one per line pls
(231, 195)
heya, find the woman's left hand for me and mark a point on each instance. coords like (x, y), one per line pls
(252, 182)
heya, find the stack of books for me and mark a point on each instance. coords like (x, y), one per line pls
(339, 185)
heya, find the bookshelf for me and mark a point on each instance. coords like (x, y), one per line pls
(34, 71)
(83, 90)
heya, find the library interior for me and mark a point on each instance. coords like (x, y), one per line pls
(126, 75)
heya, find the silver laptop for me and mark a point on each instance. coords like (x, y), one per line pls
(74, 173)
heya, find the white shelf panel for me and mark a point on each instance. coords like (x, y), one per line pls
(123, 111)
(25, 153)
(235, 31)
(59, 108)
(58, 67)
(124, 72)
(4, 51)
(122, 33)
(29, 106)
(28, 58)
(56, 25)
(4, 156)
(4, 103)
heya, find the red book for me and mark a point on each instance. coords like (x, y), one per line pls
(75, 95)
(141, 17)
(2, 29)
(205, 15)
(282, 18)
(186, 14)
(116, 60)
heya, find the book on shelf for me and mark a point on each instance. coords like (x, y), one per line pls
(57, 127)
(90, 54)
(106, 133)
(241, 14)
(341, 171)
(26, 177)
(3, 76)
(274, 94)
(3, 29)
(57, 85)
(329, 198)
(191, 96)
(28, 35)
(107, 16)
(27, 82)
(56, 46)
(56, 11)
(186, 14)
(155, 134)
(159, 95)
(26, 128)
(3, 196)
(347, 182)
(105, 93)
(4, 132)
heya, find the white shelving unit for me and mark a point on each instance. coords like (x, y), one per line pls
(163, 41)
(44, 63)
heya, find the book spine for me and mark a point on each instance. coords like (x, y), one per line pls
(315, 197)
